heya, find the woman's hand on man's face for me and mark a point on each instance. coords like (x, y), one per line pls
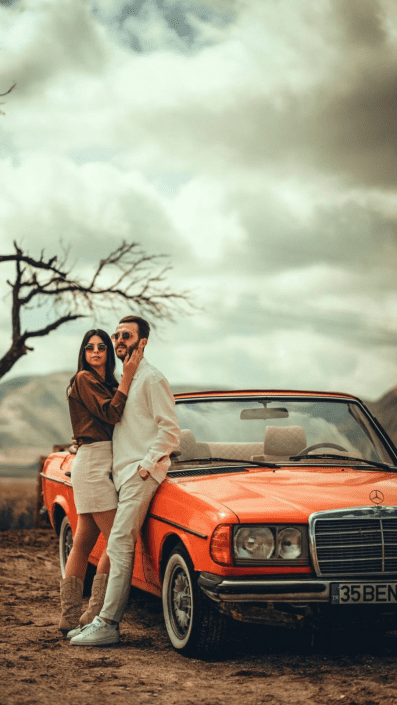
(131, 362)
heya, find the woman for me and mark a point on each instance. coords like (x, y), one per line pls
(96, 403)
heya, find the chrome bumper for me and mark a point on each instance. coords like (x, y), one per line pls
(259, 590)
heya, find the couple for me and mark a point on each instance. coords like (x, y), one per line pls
(139, 415)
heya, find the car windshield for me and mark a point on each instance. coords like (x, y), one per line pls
(275, 430)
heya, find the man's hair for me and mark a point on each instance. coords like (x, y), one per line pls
(143, 326)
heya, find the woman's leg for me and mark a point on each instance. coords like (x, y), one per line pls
(71, 585)
(104, 522)
(84, 541)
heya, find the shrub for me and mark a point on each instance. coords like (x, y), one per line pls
(17, 505)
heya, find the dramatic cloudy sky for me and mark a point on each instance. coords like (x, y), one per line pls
(253, 141)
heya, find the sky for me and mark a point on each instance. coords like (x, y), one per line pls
(251, 141)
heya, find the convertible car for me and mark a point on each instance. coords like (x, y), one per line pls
(278, 508)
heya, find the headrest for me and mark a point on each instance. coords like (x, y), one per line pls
(187, 445)
(189, 448)
(284, 440)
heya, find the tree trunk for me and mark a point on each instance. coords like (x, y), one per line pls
(11, 357)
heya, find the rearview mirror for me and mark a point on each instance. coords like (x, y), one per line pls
(250, 414)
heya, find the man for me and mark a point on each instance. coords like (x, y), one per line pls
(142, 443)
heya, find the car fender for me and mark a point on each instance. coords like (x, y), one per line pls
(60, 508)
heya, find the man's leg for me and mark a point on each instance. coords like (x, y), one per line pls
(135, 496)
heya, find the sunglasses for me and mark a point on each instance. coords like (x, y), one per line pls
(90, 347)
(125, 335)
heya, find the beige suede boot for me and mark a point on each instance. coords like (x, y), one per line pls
(96, 600)
(71, 598)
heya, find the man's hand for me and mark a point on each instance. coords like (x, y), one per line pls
(73, 448)
(143, 473)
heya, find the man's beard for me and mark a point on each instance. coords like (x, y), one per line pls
(129, 351)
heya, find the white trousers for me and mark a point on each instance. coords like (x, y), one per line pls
(135, 496)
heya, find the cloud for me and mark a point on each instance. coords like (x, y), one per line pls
(341, 229)
(253, 142)
(362, 22)
(267, 102)
(64, 31)
(45, 201)
(275, 359)
(177, 25)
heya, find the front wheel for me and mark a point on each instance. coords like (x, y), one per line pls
(194, 627)
(65, 543)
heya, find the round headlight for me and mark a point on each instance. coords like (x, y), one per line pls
(253, 542)
(289, 543)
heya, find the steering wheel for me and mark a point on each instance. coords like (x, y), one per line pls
(320, 445)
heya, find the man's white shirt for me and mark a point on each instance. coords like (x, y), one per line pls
(148, 429)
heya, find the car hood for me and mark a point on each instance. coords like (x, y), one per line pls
(292, 494)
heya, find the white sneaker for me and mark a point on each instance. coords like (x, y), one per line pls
(74, 632)
(98, 633)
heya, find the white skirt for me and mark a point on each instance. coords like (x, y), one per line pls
(93, 487)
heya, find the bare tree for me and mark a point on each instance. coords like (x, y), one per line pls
(6, 93)
(127, 275)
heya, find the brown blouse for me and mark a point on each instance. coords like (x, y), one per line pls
(95, 406)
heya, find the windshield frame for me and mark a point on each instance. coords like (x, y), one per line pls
(292, 396)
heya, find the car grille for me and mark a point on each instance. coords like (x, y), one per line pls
(362, 542)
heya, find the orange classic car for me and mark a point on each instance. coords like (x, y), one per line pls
(280, 507)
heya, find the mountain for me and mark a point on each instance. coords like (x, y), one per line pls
(385, 410)
(34, 416)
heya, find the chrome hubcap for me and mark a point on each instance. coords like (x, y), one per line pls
(68, 542)
(181, 601)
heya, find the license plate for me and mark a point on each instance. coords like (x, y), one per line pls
(363, 593)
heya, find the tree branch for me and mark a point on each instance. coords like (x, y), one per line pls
(138, 283)
(6, 93)
(9, 90)
(38, 264)
(51, 326)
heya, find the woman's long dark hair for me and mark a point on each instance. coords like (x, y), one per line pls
(82, 363)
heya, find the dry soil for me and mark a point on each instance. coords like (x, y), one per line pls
(262, 665)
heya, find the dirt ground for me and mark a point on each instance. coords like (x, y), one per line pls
(261, 666)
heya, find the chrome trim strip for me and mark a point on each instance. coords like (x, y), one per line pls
(252, 394)
(383, 546)
(152, 516)
(243, 583)
(296, 599)
(177, 526)
(55, 479)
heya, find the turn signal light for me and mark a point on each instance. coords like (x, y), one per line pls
(221, 545)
